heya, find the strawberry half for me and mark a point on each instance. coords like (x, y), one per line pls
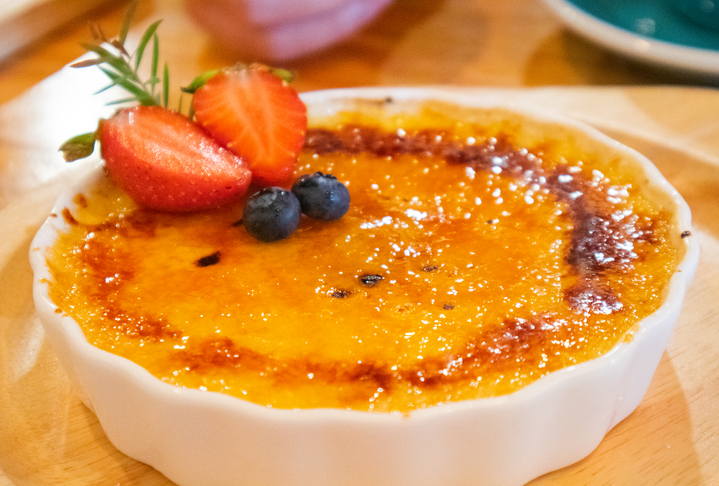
(256, 115)
(166, 162)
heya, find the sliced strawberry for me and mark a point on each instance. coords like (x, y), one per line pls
(166, 162)
(256, 115)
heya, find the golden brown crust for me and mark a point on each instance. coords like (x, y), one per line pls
(369, 315)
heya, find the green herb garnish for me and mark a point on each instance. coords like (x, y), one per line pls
(122, 68)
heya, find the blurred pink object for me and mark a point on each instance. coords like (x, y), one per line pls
(282, 29)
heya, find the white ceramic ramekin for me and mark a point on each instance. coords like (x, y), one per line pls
(204, 438)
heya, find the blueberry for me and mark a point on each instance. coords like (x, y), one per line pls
(271, 214)
(322, 196)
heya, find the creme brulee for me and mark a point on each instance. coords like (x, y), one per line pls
(477, 256)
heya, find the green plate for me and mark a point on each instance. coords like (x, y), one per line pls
(681, 34)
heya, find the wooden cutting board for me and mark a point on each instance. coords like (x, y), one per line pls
(23, 22)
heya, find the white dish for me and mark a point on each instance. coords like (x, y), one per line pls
(674, 55)
(202, 438)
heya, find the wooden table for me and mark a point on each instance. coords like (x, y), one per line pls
(515, 48)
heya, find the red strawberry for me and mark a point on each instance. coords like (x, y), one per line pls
(256, 115)
(166, 162)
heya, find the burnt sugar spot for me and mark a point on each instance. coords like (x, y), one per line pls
(599, 244)
(141, 222)
(209, 260)
(322, 141)
(80, 200)
(206, 354)
(370, 280)
(340, 293)
(355, 139)
(590, 296)
(497, 350)
(139, 326)
(68, 217)
(212, 354)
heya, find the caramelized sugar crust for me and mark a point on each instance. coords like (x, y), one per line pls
(472, 262)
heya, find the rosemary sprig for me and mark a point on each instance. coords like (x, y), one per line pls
(122, 68)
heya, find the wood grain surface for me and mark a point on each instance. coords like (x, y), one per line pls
(515, 49)
(23, 22)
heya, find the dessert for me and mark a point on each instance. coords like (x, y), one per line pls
(555, 420)
(476, 257)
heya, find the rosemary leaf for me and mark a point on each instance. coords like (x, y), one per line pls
(155, 56)
(142, 96)
(86, 63)
(121, 101)
(120, 47)
(127, 21)
(78, 147)
(122, 67)
(143, 43)
(165, 86)
(102, 90)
